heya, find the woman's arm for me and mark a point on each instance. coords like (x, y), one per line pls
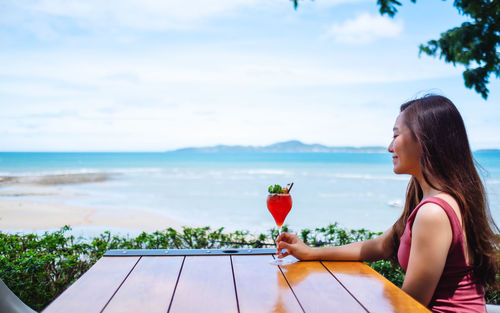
(430, 243)
(369, 250)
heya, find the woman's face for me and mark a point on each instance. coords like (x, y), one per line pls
(405, 150)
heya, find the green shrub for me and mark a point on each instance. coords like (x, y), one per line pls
(38, 268)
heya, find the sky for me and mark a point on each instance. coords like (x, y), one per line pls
(157, 75)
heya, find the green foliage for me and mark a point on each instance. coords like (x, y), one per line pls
(275, 189)
(334, 235)
(389, 6)
(492, 294)
(389, 270)
(474, 44)
(38, 268)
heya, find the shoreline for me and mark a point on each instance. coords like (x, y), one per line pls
(54, 179)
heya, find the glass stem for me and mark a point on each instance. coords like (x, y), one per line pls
(278, 261)
(279, 233)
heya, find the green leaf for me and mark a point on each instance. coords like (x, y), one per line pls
(275, 189)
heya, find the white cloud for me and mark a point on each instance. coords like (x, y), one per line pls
(156, 15)
(156, 79)
(243, 78)
(365, 28)
(149, 101)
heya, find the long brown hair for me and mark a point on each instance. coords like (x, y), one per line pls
(446, 157)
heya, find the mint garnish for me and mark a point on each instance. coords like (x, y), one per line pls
(275, 189)
(279, 189)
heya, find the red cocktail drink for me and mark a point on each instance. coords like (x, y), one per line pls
(279, 205)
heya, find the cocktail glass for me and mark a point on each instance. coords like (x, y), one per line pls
(279, 204)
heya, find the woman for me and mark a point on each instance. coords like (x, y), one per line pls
(445, 238)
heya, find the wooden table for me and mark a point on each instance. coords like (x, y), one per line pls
(240, 280)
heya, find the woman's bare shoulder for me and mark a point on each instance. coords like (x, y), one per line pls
(452, 202)
(431, 221)
(431, 213)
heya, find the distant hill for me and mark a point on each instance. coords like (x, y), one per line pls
(488, 150)
(292, 146)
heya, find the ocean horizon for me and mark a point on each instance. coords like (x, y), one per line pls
(221, 189)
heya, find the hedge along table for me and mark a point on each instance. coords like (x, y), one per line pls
(239, 280)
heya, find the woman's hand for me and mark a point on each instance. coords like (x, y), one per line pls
(294, 246)
(374, 249)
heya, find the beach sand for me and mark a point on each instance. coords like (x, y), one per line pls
(20, 213)
(33, 216)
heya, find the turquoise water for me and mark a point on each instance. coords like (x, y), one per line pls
(11, 162)
(358, 190)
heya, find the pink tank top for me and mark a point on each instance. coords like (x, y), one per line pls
(457, 289)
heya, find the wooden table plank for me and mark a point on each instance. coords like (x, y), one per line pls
(375, 292)
(149, 287)
(205, 285)
(91, 292)
(317, 289)
(261, 286)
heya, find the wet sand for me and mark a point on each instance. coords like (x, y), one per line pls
(20, 213)
(35, 216)
(53, 180)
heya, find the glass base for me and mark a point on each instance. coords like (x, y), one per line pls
(284, 261)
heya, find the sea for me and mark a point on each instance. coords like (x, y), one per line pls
(356, 190)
